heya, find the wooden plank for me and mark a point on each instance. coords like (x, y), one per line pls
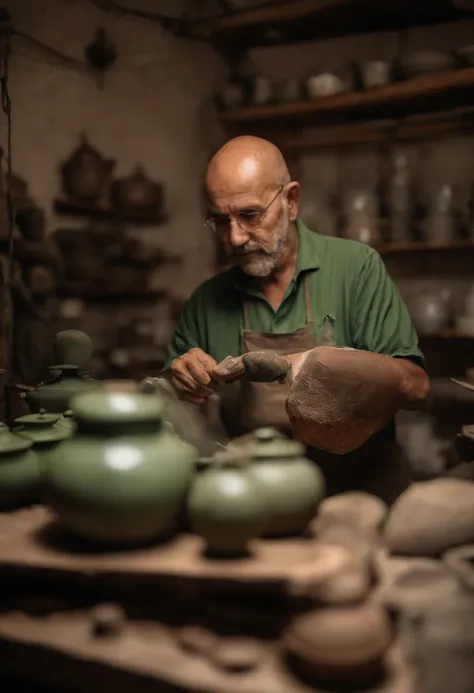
(415, 246)
(289, 21)
(374, 133)
(444, 84)
(277, 12)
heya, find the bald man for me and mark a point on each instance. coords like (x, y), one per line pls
(286, 283)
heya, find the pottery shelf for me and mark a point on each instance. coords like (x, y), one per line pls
(99, 294)
(423, 94)
(420, 247)
(105, 212)
(380, 132)
(446, 334)
(302, 20)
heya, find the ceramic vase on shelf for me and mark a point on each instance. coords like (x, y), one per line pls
(361, 217)
(430, 310)
(441, 224)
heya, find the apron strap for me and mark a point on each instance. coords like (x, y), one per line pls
(245, 316)
(307, 303)
(307, 300)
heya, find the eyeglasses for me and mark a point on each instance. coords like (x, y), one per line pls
(247, 220)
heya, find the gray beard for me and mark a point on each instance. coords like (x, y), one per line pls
(263, 261)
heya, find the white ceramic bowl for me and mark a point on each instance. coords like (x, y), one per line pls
(324, 84)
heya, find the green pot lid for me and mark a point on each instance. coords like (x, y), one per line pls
(70, 380)
(117, 407)
(269, 443)
(230, 458)
(11, 442)
(41, 419)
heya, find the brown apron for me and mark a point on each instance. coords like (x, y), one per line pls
(377, 467)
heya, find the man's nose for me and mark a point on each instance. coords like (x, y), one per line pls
(237, 235)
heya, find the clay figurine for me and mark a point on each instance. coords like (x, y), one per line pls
(226, 505)
(123, 478)
(19, 470)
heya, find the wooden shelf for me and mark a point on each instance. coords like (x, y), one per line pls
(416, 246)
(67, 207)
(99, 294)
(446, 334)
(380, 132)
(278, 23)
(422, 94)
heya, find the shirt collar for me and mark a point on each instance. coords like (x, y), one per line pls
(308, 257)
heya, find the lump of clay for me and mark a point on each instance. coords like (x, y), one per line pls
(431, 517)
(338, 397)
(358, 509)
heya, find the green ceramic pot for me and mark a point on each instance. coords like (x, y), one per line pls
(72, 351)
(123, 477)
(42, 430)
(292, 484)
(56, 396)
(226, 506)
(19, 470)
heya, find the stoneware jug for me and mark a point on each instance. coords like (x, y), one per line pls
(42, 431)
(19, 470)
(123, 477)
(226, 505)
(292, 484)
(72, 351)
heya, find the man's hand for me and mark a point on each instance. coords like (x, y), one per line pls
(191, 376)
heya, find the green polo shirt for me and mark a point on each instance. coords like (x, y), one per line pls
(347, 280)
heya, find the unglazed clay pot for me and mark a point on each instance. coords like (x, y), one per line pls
(136, 193)
(123, 477)
(86, 173)
(337, 646)
(338, 398)
(19, 470)
(292, 484)
(226, 505)
(44, 434)
(72, 351)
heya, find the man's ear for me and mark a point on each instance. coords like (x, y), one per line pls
(293, 200)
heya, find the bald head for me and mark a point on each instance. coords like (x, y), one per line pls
(251, 193)
(247, 163)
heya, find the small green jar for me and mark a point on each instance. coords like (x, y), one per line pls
(226, 505)
(19, 470)
(72, 351)
(292, 485)
(123, 477)
(42, 431)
